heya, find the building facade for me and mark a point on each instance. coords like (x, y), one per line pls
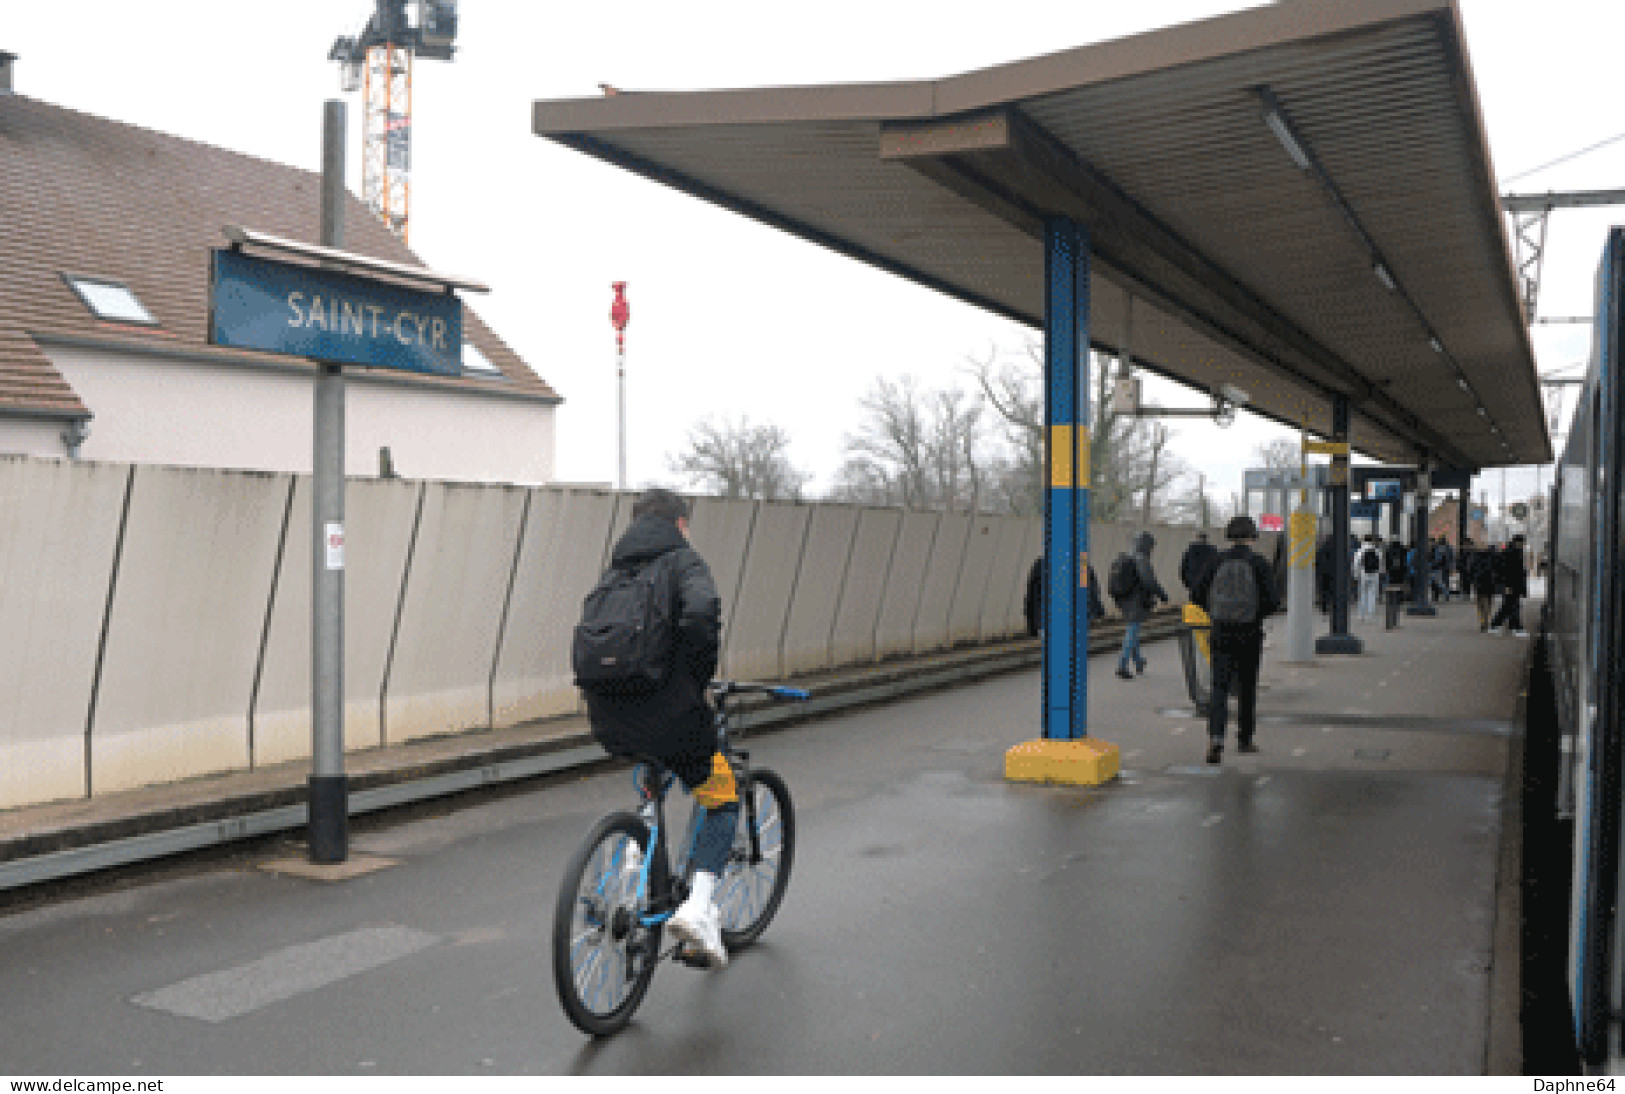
(104, 310)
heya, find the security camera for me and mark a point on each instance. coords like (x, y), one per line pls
(1234, 395)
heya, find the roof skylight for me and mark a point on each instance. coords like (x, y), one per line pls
(110, 300)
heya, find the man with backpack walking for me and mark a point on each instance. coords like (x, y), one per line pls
(1133, 585)
(1238, 593)
(644, 651)
(1368, 567)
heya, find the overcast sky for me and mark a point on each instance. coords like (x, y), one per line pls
(729, 317)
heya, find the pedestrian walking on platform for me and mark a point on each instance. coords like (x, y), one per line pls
(1135, 589)
(1195, 561)
(1513, 572)
(1323, 576)
(1238, 593)
(1483, 582)
(1369, 570)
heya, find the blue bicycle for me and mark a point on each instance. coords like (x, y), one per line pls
(621, 887)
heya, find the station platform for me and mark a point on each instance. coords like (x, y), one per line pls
(1343, 902)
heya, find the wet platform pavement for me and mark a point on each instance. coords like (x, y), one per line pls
(1329, 906)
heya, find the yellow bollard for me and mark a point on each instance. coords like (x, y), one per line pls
(1201, 628)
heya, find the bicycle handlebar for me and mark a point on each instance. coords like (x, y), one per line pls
(723, 688)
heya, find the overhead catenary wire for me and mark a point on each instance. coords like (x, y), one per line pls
(1566, 158)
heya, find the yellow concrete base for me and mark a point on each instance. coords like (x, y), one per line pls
(1085, 762)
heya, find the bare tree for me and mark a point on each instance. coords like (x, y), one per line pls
(1015, 391)
(740, 460)
(1122, 448)
(1279, 455)
(921, 449)
(1163, 470)
(1193, 502)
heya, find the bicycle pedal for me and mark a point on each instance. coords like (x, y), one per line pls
(692, 958)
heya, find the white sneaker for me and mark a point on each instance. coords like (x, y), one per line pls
(1496, 630)
(1520, 634)
(698, 925)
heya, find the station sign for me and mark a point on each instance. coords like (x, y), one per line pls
(338, 318)
(1283, 478)
(1271, 522)
(1384, 489)
(1364, 510)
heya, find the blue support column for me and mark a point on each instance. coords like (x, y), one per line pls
(1066, 754)
(1066, 501)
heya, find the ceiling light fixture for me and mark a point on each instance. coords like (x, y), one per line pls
(1283, 133)
(1438, 346)
(1461, 382)
(1385, 277)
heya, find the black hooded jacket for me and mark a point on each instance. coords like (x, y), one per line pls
(674, 717)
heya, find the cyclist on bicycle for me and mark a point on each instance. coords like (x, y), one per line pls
(673, 723)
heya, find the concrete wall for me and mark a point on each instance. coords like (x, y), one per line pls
(559, 561)
(187, 613)
(379, 519)
(826, 556)
(457, 586)
(754, 624)
(941, 582)
(863, 590)
(460, 599)
(911, 557)
(59, 524)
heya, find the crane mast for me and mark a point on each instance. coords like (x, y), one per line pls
(378, 62)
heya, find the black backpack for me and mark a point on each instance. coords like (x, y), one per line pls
(625, 641)
(1233, 596)
(1123, 578)
(1369, 562)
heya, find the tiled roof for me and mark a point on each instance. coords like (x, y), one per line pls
(84, 196)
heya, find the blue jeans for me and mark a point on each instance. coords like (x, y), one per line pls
(715, 838)
(1131, 648)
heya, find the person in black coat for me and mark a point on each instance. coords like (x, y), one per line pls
(1481, 575)
(1238, 647)
(1032, 605)
(672, 723)
(1195, 560)
(1513, 572)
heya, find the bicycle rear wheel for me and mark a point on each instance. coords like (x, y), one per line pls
(749, 893)
(603, 959)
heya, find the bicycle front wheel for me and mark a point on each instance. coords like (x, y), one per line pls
(752, 884)
(603, 958)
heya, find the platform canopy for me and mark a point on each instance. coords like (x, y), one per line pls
(1296, 200)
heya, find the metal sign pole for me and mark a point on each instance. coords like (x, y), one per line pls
(329, 792)
(620, 313)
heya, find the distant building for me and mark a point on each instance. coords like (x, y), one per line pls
(1445, 520)
(105, 238)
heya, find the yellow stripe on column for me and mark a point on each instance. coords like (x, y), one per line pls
(1061, 450)
(1060, 455)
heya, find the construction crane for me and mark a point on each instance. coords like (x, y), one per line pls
(379, 59)
(1530, 213)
